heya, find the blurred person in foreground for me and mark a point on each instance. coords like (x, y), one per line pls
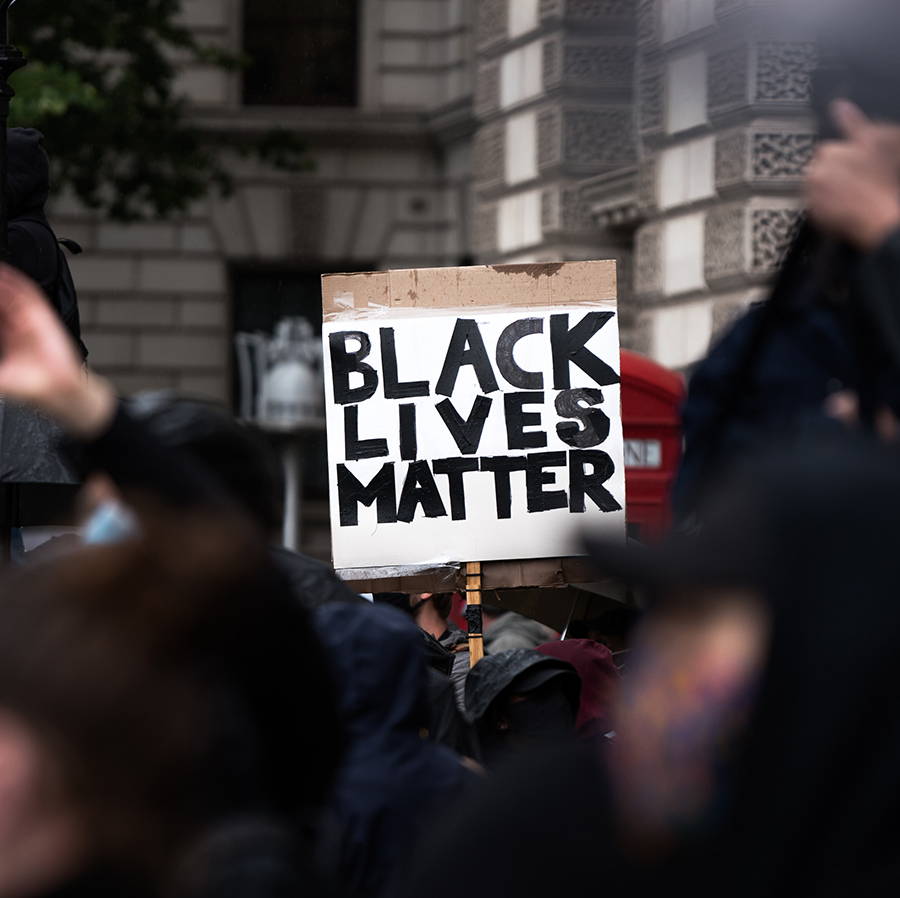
(246, 467)
(826, 345)
(393, 781)
(521, 700)
(274, 718)
(759, 730)
(105, 710)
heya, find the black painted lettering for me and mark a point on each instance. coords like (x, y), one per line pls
(466, 431)
(595, 424)
(381, 490)
(357, 449)
(453, 469)
(409, 443)
(502, 466)
(517, 419)
(419, 488)
(537, 477)
(582, 484)
(569, 346)
(523, 380)
(393, 389)
(466, 348)
(344, 363)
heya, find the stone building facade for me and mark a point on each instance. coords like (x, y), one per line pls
(390, 188)
(725, 130)
(668, 134)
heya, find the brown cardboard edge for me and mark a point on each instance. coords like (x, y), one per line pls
(544, 273)
(544, 573)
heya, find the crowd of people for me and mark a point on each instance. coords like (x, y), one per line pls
(189, 709)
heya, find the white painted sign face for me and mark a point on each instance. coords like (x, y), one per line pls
(473, 435)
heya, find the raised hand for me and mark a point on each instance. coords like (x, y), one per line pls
(853, 185)
(40, 365)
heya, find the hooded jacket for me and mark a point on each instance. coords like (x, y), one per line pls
(392, 779)
(600, 680)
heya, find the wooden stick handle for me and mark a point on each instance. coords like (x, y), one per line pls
(473, 612)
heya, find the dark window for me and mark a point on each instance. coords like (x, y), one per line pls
(303, 52)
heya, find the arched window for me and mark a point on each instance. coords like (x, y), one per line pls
(304, 52)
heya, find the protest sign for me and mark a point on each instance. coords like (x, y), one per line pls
(472, 413)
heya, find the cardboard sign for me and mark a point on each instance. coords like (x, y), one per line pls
(472, 414)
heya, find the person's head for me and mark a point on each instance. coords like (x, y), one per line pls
(519, 700)
(239, 457)
(104, 707)
(750, 675)
(441, 602)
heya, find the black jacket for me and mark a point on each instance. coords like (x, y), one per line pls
(33, 247)
(393, 780)
(837, 327)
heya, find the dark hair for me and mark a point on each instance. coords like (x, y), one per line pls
(238, 456)
(443, 603)
(98, 659)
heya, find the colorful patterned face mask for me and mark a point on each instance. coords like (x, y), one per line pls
(683, 710)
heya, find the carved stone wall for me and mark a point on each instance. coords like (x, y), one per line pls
(592, 63)
(551, 211)
(487, 88)
(574, 212)
(784, 70)
(552, 62)
(648, 259)
(782, 154)
(484, 230)
(549, 137)
(773, 230)
(595, 10)
(648, 184)
(550, 9)
(601, 137)
(724, 252)
(727, 76)
(491, 21)
(489, 155)
(731, 159)
(650, 98)
(646, 21)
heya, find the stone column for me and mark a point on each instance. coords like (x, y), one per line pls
(554, 106)
(723, 90)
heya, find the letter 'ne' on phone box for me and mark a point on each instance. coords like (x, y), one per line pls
(473, 414)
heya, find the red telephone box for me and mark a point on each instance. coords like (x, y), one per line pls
(651, 398)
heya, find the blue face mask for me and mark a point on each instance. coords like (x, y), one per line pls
(112, 522)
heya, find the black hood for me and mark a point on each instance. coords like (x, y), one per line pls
(28, 180)
(528, 668)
